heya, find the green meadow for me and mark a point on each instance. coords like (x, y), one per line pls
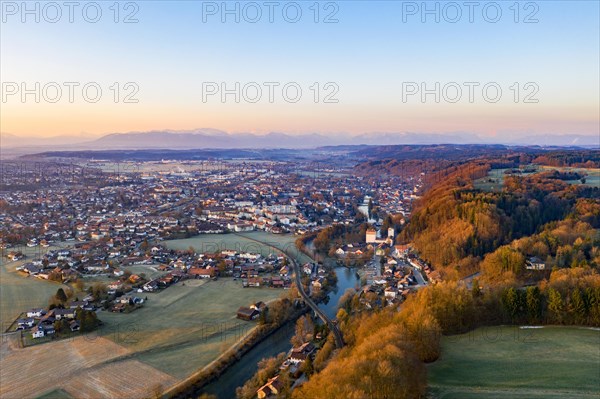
(511, 362)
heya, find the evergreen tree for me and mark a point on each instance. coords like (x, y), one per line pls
(511, 302)
(533, 300)
(61, 296)
(307, 367)
(475, 289)
(578, 306)
(555, 305)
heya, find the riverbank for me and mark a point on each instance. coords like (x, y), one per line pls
(278, 342)
(193, 384)
(240, 368)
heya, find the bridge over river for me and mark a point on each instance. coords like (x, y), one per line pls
(339, 340)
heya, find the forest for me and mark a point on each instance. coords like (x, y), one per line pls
(455, 225)
(576, 158)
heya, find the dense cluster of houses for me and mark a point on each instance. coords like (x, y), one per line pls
(393, 271)
(293, 364)
(433, 276)
(41, 322)
(252, 269)
(101, 258)
(132, 205)
(400, 270)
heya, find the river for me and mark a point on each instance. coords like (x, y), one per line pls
(364, 209)
(236, 375)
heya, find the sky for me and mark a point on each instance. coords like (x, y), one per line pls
(346, 67)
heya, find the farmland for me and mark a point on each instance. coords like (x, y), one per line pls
(592, 179)
(508, 362)
(219, 242)
(81, 367)
(178, 331)
(187, 325)
(494, 181)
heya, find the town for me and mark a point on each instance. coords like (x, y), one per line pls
(111, 235)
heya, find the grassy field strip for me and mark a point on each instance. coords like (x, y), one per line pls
(468, 392)
(501, 362)
(233, 348)
(55, 394)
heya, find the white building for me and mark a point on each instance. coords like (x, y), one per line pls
(371, 236)
(391, 233)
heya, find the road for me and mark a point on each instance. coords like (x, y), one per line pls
(339, 340)
(469, 279)
(418, 276)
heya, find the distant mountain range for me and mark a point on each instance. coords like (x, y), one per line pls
(217, 139)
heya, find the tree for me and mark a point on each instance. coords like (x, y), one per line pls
(533, 302)
(555, 305)
(475, 289)
(504, 259)
(345, 300)
(98, 290)
(60, 295)
(87, 320)
(307, 367)
(61, 326)
(510, 301)
(324, 353)
(262, 317)
(578, 306)
(279, 311)
(304, 327)
(79, 285)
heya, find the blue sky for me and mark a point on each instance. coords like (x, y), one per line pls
(369, 53)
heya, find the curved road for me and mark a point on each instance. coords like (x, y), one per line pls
(339, 340)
